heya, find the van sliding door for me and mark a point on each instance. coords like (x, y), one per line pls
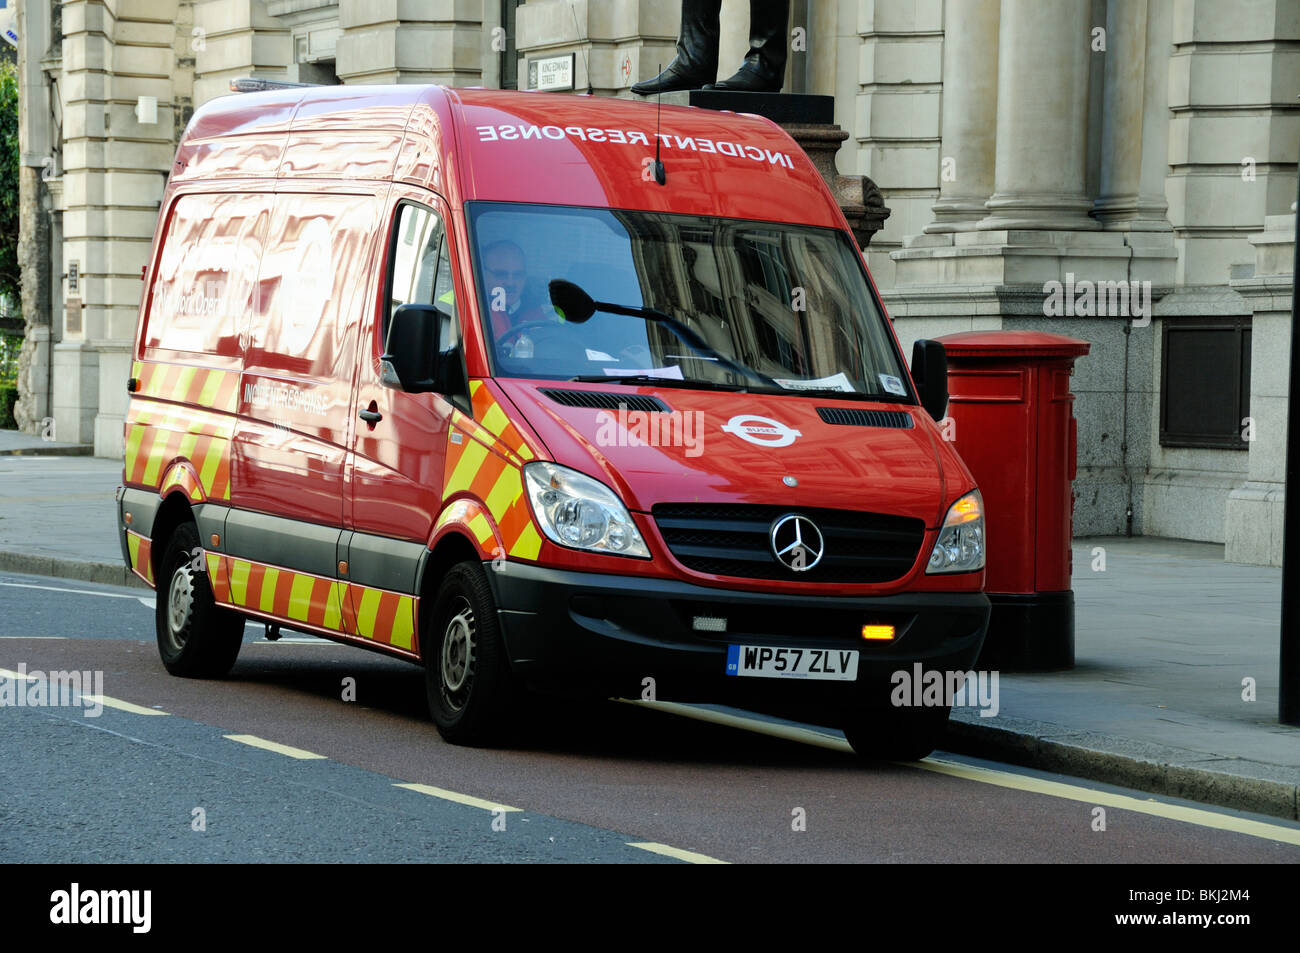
(295, 405)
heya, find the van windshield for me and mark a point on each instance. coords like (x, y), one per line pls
(720, 303)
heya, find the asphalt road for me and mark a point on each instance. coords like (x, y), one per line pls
(273, 764)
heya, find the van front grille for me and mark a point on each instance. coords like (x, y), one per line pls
(857, 417)
(598, 400)
(735, 540)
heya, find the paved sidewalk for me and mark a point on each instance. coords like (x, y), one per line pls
(1164, 638)
(56, 518)
(13, 442)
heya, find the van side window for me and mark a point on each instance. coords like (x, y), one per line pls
(421, 269)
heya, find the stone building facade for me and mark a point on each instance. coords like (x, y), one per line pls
(1135, 146)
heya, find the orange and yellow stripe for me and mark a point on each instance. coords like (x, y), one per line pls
(381, 616)
(209, 387)
(140, 549)
(486, 466)
(158, 436)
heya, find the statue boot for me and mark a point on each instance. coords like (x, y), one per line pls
(764, 68)
(696, 62)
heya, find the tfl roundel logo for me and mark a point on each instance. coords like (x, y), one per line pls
(763, 431)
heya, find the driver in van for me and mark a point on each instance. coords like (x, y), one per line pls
(507, 274)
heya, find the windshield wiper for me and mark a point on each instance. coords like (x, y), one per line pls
(651, 380)
(837, 394)
(577, 306)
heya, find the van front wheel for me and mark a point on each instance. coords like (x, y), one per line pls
(196, 637)
(471, 691)
(896, 734)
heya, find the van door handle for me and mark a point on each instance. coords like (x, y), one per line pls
(371, 415)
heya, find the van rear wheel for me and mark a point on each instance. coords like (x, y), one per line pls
(896, 734)
(196, 637)
(471, 691)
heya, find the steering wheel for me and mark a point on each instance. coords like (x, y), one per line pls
(513, 334)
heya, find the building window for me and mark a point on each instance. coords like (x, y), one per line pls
(510, 55)
(1205, 383)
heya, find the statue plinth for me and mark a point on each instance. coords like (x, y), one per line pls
(810, 121)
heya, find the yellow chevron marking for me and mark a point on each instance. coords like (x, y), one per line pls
(211, 386)
(529, 544)
(157, 450)
(403, 623)
(495, 419)
(267, 601)
(300, 597)
(334, 607)
(239, 571)
(505, 492)
(183, 381)
(211, 461)
(470, 460)
(367, 612)
(481, 529)
(133, 447)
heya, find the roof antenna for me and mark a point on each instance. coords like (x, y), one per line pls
(661, 174)
(585, 65)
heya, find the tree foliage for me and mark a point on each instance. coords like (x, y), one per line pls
(9, 275)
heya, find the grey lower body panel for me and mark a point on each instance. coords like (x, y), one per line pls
(378, 562)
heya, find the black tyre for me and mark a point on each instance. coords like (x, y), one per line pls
(472, 693)
(896, 734)
(196, 638)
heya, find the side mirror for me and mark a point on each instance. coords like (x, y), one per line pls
(410, 361)
(449, 376)
(930, 375)
(573, 304)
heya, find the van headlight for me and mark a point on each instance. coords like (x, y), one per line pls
(960, 546)
(576, 511)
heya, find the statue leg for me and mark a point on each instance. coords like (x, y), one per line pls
(764, 68)
(696, 62)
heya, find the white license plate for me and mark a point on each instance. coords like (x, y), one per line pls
(764, 661)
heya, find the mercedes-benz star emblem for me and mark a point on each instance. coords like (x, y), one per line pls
(796, 542)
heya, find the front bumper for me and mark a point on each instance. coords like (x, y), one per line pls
(606, 634)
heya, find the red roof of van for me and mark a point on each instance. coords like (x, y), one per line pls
(511, 147)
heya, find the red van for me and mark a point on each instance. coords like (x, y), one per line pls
(472, 379)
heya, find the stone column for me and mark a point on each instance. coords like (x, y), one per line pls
(410, 42)
(1043, 53)
(237, 38)
(969, 113)
(1152, 206)
(1122, 112)
(118, 142)
(1253, 518)
(36, 149)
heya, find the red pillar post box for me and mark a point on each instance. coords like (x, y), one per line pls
(1011, 419)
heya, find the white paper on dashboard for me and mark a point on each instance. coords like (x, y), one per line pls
(667, 373)
(599, 356)
(838, 381)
